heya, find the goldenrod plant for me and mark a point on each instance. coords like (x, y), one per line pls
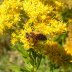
(36, 28)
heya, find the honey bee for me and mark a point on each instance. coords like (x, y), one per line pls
(36, 37)
(41, 37)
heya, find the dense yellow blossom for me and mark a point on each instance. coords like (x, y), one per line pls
(68, 45)
(34, 7)
(39, 21)
(10, 12)
(40, 18)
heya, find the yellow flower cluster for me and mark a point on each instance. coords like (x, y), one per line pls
(53, 27)
(10, 13)
(68, 45)
(42, 19)
(34, 8)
